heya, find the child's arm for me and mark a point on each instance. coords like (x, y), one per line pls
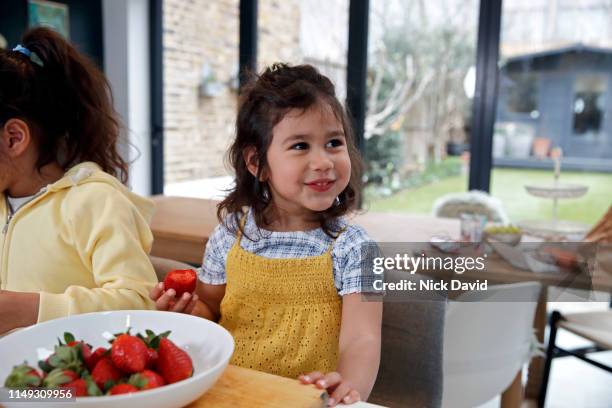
(17, 309)
(359, 352)
(205, 301)
(110, 239)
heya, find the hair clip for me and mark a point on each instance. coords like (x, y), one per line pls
(30, 54)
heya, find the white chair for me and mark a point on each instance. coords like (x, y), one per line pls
(487, 339)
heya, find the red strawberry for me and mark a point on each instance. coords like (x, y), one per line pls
(105, 372)
(58, 377)
(85, 349)
(146, 380)
(181, 280)
(122, 389)
(95, 357)
(79, 387)
(23, 376)
(152, 358)
(129, 353)
(173, 363)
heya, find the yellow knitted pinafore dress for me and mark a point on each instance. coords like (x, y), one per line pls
(284, 314)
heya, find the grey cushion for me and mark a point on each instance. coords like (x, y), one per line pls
(410, 373)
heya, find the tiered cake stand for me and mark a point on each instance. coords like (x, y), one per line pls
(555, 229)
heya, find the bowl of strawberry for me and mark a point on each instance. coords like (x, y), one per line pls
(116, 359)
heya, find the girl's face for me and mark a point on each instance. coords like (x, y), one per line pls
(308, 160)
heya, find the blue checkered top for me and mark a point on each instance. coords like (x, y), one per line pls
(346, 251)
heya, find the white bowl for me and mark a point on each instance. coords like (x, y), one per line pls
(209, 345)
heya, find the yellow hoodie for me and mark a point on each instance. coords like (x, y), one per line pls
(82, 243)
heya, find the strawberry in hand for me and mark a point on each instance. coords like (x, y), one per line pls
(181, 280)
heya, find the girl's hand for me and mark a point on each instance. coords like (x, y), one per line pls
(339, 390)
(165, 300)
(17, 309)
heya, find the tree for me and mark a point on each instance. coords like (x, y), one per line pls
(420, 56)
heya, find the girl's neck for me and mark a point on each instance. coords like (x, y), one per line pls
(287, 221)
(31, 181)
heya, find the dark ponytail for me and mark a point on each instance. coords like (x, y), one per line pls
(65, 99)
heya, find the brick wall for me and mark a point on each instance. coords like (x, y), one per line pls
(279, 32)
(198, 129)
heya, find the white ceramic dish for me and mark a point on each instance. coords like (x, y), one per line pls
(209, 345)
(509, 238)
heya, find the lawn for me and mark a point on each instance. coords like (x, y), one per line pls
(508, 186)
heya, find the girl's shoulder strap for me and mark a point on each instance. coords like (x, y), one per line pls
(241, 224)
(335, 238)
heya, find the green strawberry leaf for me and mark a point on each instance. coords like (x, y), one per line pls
(56, 378)
(45, 366)
(92, 388)
(21, 377)
(68, 337)
(108, 385)
(138, 381)
(67, 358)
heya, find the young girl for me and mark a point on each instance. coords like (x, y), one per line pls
(73, 239)
(282, 270)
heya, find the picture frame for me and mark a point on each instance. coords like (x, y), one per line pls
(44, 13)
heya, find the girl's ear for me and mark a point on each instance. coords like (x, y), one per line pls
(252, 163)
(16, 137)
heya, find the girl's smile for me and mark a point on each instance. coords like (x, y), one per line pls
(321, 185)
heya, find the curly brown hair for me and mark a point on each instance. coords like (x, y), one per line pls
(263, 103)
(65, 100)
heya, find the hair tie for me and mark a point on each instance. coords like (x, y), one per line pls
(32, 56)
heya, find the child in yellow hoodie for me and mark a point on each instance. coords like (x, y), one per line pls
(73, 239)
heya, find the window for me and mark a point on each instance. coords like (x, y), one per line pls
(522, 93)
(421, 60)
(589, 104)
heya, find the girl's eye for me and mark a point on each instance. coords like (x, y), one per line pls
(300, 146)
(335, 143)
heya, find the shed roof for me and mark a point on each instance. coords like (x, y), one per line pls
(554, 52)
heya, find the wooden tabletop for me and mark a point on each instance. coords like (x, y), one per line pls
(244, 388)
(181, 226)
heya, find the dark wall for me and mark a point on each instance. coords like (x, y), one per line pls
(85, 24)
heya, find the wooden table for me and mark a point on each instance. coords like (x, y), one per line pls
(244, 388)
(181, 227)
